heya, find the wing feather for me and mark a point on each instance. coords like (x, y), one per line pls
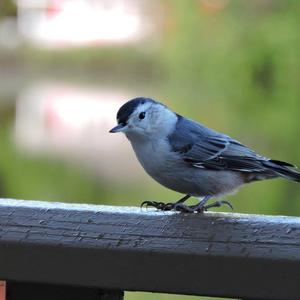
(205, 148)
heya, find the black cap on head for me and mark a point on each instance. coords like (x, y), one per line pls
(128, 108)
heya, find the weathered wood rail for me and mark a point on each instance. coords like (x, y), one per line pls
(73, 251)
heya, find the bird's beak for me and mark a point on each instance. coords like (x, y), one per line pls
(118, 128)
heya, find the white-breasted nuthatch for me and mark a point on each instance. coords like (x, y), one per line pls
(189, 158)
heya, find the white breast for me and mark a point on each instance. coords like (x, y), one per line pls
(154, 155)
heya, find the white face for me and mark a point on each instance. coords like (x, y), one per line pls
(151, 120)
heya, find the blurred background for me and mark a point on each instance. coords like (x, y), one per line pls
(67, 66)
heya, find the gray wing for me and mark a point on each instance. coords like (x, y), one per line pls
(204, 148)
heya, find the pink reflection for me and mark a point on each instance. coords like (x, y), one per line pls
(81, 22)
(69, 112)
(73, 123)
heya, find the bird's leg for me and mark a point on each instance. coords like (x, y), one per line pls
(200, 207)
(178, 205)
(166, 206)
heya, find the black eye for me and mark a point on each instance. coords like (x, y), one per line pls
(142, 115)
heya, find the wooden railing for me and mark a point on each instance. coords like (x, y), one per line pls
(73, 251)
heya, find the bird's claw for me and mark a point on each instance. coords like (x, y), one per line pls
(163, 206)
(184, 208)
(158, 205)
(227, 203)
(217, 204)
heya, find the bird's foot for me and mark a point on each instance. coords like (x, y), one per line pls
(201, 208)
(179, 206)
(155, 204)
(164, 206)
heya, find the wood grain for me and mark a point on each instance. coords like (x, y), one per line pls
(123, 248)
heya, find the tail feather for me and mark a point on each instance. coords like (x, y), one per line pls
(283, 169)
(281, 163)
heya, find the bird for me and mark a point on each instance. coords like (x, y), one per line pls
(190, 158)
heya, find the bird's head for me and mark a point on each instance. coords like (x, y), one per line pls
(145, 118)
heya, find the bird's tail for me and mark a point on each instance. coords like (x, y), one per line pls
(282, 169)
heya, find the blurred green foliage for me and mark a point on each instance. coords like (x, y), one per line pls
(235, 68)
(7, 8)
